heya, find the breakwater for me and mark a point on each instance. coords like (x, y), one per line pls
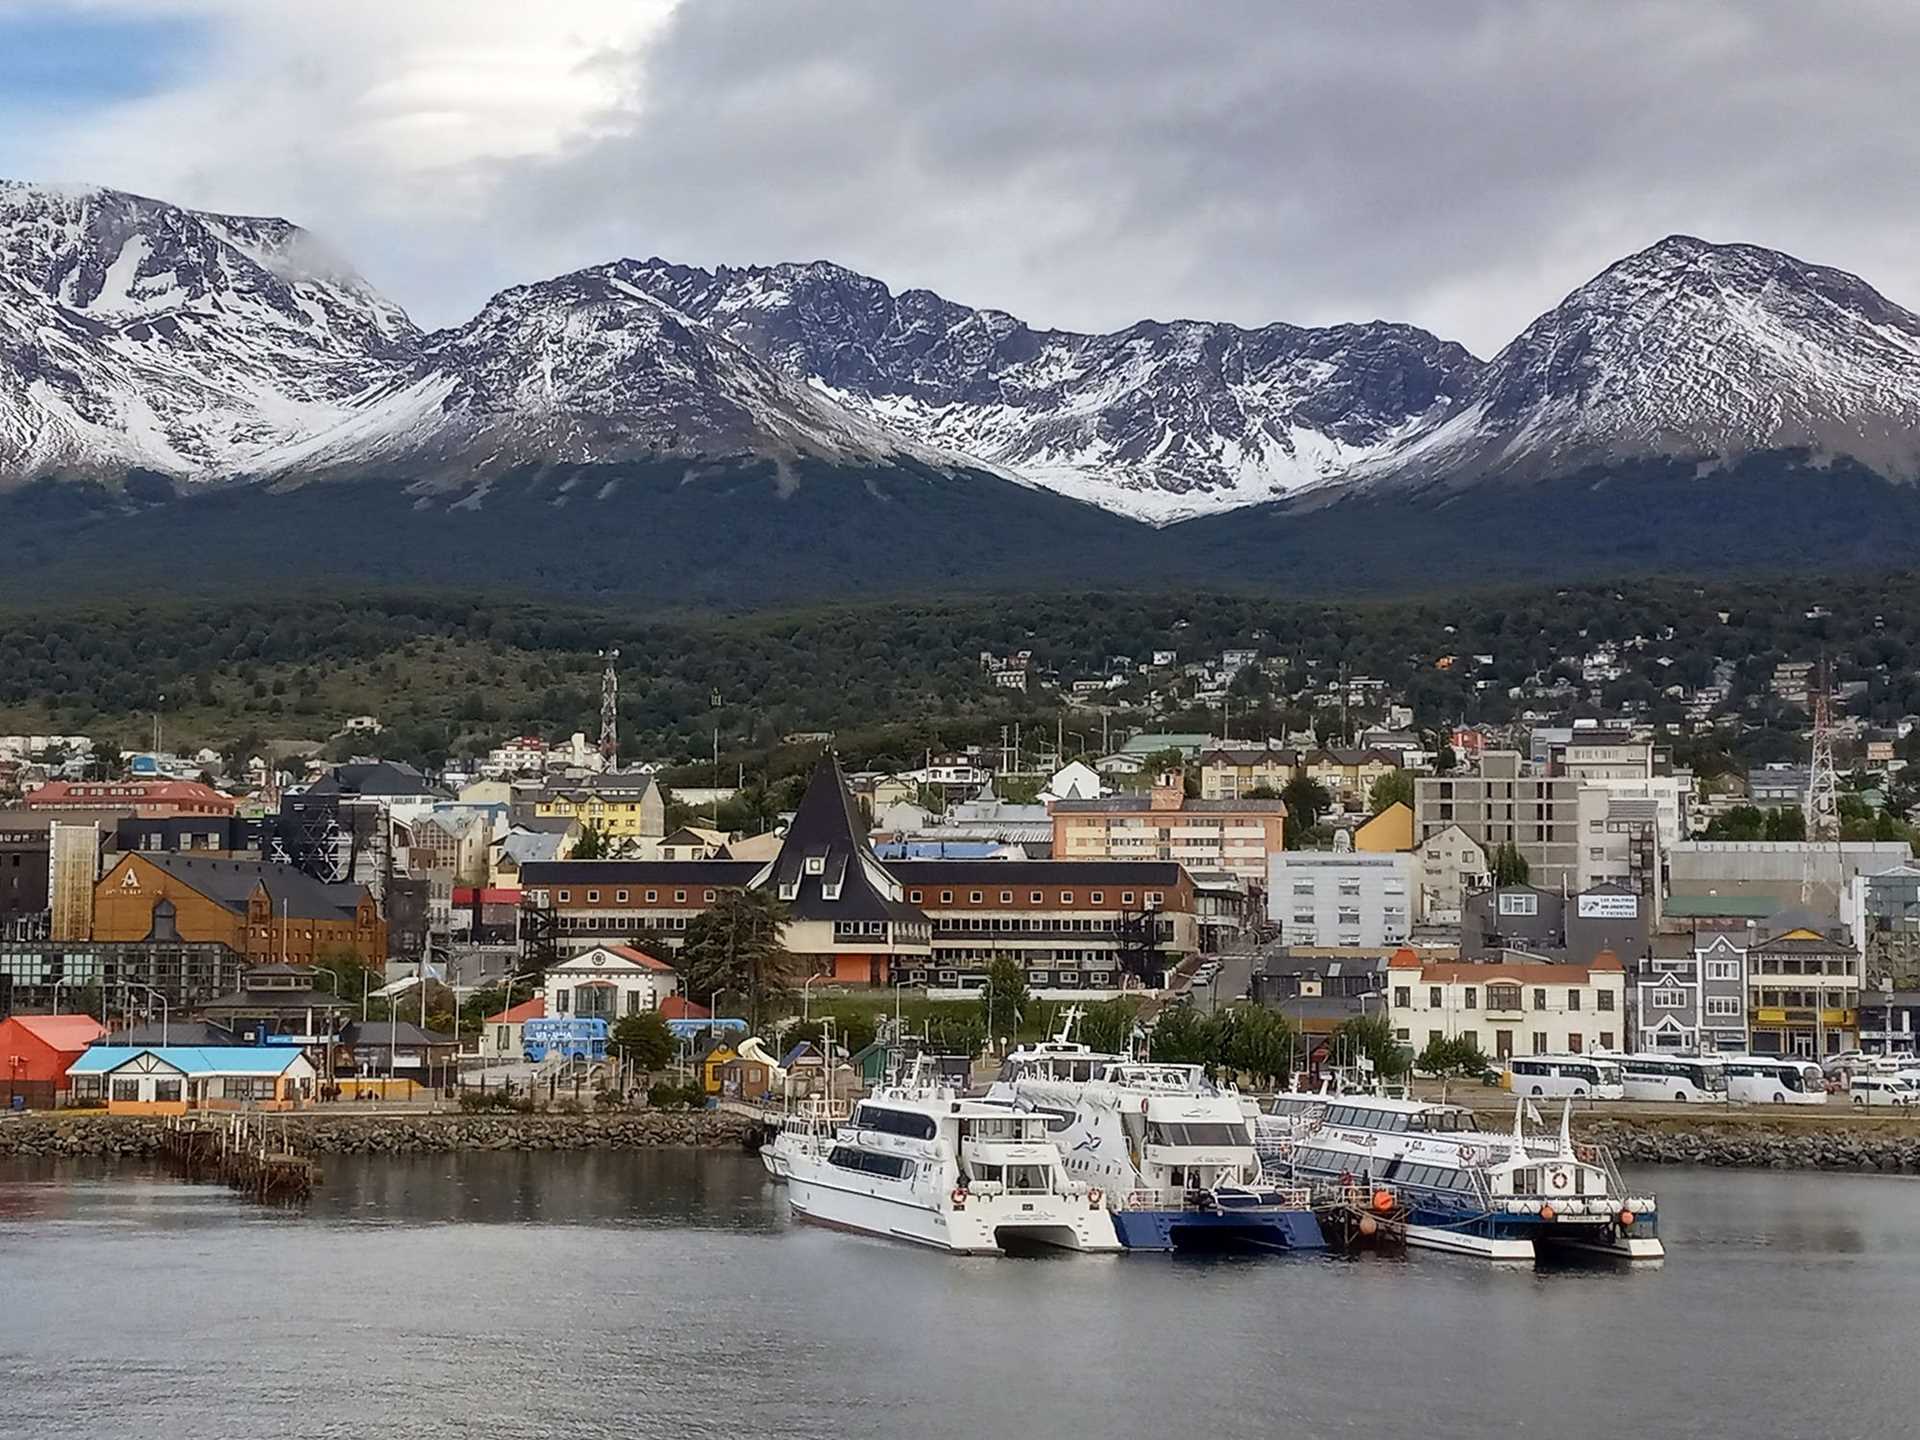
(1756, 1142)
(324, 1133)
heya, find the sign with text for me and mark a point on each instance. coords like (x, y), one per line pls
(1609, 907)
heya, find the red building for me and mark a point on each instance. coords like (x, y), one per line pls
(150, 799)
(35, 1051)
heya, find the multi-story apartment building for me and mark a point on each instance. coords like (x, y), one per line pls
(1515, 1008)
(137, 797)
(1452, 866)
(1804, 978)
(1239, 836)
(1332, 897)
(1691, 993)
(1348, 776)
(1499, 803)
(1230, 771)
(626, 807)
(1069, 923)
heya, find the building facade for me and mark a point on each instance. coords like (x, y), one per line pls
(1452, 866)
(1499, 803)
(1515, 1008)
(1332, 897)
(1240, 836)
(264, 912)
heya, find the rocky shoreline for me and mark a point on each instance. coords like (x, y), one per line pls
(1876, 1147)
(111, 1137)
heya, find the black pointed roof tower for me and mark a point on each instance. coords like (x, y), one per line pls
(826, 869)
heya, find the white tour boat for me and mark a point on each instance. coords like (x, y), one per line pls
(917, 1162)
(1172, 1153)
(1474, 1192)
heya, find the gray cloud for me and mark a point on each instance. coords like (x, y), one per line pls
(1459, 165)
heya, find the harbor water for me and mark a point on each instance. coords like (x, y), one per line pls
(667, 1293)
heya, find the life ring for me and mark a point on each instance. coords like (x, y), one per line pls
(1094, 1197)
(959, 1196)
(1558, 1179)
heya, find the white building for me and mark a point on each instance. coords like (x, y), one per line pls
(1076, 780)
(1333, 897)
(608, 982)
(1452, 865)
(1511, 1008)
(524, 755)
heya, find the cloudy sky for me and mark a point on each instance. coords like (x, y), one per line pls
(1458, 165)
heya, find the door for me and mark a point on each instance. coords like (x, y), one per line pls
(1502, 1044)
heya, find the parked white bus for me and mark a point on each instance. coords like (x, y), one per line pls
(1553, 1076)
(1775, 1080)
(1689, 1079)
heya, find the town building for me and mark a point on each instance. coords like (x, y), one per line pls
(1690, 994)
(1348, 776)
(1804, 981)
(1553, 926)
(1452, 866)
(608, 982)
(285, 1003)
(151, 798)
(1890, 1021)
(174, 1079)
(1240, 836)
(864, 921)
(627, 808)
(1387, 832)
(1510, 1008)
(262, 911)
(396, 1050)
(1333, 897)
(1775, 872)
(26, 867)
(502, 1034)
(1228, 772)
(1499, 803)
(35, 1053)
(46, 974)
(235, 835)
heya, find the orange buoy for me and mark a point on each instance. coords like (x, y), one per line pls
(1383, 1200)
(1627, 1217)
(1368, 1225)
(1547, 1212)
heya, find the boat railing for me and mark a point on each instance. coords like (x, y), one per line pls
(1290, 1197)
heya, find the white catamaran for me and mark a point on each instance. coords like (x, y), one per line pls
(917, 1162)
(1502, 1196)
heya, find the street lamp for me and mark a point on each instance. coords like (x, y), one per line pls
(329, 971)
(165, 1009)
(806, 996)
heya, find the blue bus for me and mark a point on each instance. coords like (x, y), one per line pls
(578, 1039)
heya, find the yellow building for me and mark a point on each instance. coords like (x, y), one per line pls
(1388, 832)
(1348, 775)
(626, 809)
(1231, 771)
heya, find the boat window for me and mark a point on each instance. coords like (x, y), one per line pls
(1170, 1133)
(1027, 1180)
(867, 1162)
(895, 1122)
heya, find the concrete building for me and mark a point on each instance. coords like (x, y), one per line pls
(1774, 870)
(1514, 1008)
(1500, 803)
(1620, 842)
(1240, 836)
(1452, 866)
(1332, 897)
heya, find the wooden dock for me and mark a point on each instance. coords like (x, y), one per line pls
(251, 1154)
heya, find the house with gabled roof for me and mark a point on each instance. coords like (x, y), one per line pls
(608, 982)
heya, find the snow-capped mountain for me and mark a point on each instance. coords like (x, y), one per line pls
(1687, 350)
(1159, 421)
(135, 334)
(586, 368)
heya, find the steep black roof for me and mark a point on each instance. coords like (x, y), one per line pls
(826, 870)
(373, 778)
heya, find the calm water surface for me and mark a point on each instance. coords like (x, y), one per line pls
(668, 1294)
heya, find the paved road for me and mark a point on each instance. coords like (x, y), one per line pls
(1232, 983)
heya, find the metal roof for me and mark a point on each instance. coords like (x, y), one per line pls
(190, 1060)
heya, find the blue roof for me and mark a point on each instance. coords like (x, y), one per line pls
(189, 1059)
(937, 849)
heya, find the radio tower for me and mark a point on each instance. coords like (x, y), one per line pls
(610, 709)
(1823, 795)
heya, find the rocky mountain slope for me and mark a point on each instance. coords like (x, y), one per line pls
(138, 335)
(1159, 421)
(1691, 351)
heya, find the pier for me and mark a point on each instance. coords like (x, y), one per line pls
(250, 1154)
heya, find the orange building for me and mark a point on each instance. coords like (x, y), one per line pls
(35, 1051)
(1236, 835)
(264, 911)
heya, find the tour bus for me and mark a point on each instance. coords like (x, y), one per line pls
(1775, 1080)
(1552, 1076)
(575, 1037)
(1689, 1079)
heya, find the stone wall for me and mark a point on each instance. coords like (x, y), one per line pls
(360, 1134)
(1829, 1143)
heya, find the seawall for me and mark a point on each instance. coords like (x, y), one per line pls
(1761, 1142)
(106, 1136)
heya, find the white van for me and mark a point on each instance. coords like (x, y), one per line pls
(1881, 1090)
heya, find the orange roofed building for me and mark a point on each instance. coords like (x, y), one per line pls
(149, 799)
(35, 1051)
(1513, 1007)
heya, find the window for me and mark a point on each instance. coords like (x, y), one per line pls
(1434, 998)
(977, 896)
(652, 896)
(816, 864)
(1006, 897)
(1603, 999)
(679, 897)
(1503, 996)
(126, 1090)
(1096, 898)
(1669, 1000)
(1521, 904)
(1573, 1041)
(593, 897)
(1723, 1007)
(1606, 1039)
(1403, 997)
(1540, 997)
(1038, 897)
(1539, 1042)
(1469, 997)
(167, 1091)
(619, 897)
(1155, 897)
(946, 897)
(1066, 897)
(1434, 1037)
(1573, 999)
(560, 1000)
(561, 896)
(1723, 969)
(1126, 897)
(914, 896)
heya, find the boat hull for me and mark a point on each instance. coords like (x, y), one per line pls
(1524, 1237)
(1231, 1230)
(986, 1225)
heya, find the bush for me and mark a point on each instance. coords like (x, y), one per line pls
(481, 1102)
(669, 1095)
